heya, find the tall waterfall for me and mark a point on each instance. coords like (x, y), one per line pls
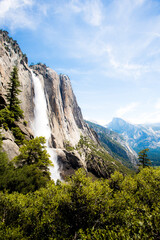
(41, 125)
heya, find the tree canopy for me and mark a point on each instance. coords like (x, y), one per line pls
(123, 207)
(34, 152)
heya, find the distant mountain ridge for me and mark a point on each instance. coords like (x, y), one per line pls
(115, 144)
(139, 136)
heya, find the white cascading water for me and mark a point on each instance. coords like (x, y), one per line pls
(41, 125)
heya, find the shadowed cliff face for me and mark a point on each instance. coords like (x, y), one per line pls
(64, 113)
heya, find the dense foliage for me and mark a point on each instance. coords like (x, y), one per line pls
(27, 172)
(118, 208)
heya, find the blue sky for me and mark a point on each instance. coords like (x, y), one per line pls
(110, 49)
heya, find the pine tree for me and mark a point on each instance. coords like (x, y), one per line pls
(144, 161)
(12, 95)
(34, 152)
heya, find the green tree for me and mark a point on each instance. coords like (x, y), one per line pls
(6, 118)
(12, 95)
(34, 152)
(27, 172)
(144, 161)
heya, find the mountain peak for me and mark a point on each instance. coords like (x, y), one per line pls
(121, 126)
(119, 120)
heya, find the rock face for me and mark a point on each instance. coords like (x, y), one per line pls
(65, 115)
(10, 56)
(69, 162)
(9, 144)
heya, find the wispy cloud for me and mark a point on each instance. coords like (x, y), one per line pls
(90, 10)
(12, 12)
(121, 112)
(16, 14)
(122, 41)
(146, 117)
(139, 114)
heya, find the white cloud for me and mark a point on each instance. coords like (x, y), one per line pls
(139, 2)
(12, 13)
(107, 41)
(91, 10)
(124, 110)
(121, 45)
(21, 13)
(146, 117)
(7, 5)
(93, 13)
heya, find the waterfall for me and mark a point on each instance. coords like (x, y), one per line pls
(41, 125)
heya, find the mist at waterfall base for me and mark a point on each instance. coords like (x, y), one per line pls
(41, 124)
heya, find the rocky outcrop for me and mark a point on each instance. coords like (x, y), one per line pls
(69, 162)
(9, 144)
(65, 115)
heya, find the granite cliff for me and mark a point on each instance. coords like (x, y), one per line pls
(65, 115)
(71, 137)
